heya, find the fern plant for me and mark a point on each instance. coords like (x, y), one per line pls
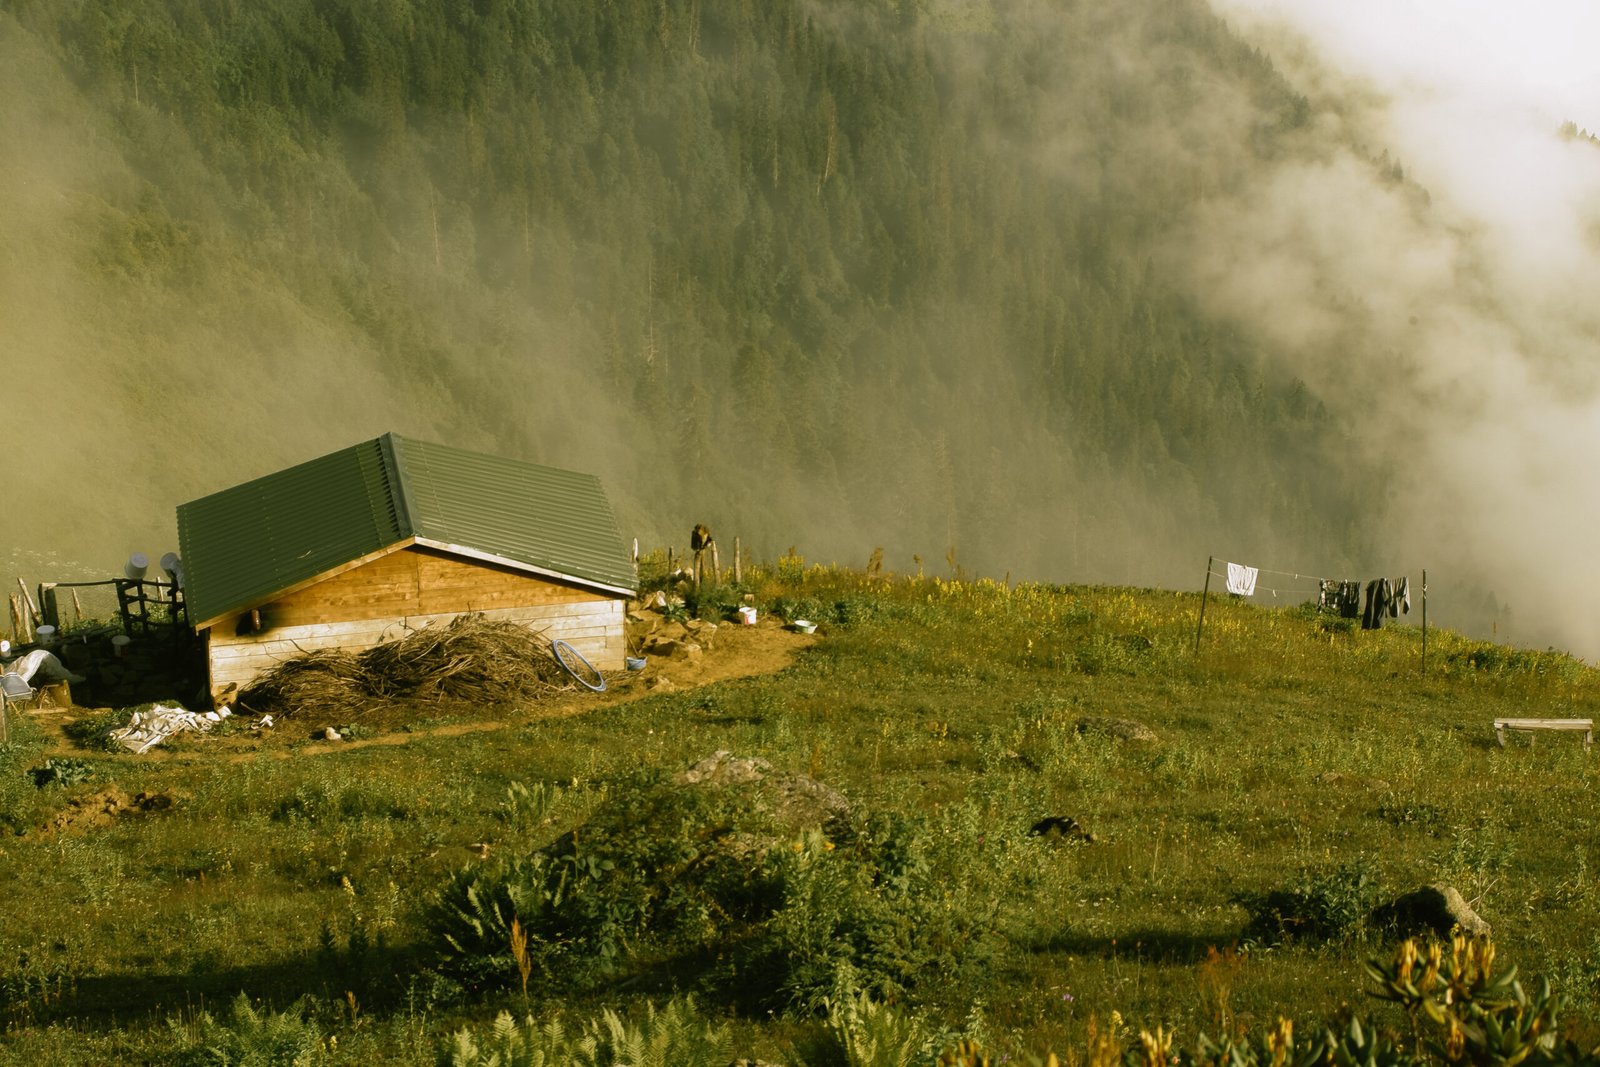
(676, 1035)
(249, 1038)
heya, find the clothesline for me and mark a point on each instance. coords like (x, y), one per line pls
(1273, 591)
(1384, 596)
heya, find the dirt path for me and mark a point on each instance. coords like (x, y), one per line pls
(736, 652)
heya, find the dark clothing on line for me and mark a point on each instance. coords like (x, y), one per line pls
(1380, 599)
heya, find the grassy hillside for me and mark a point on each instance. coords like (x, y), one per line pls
(1292, 754)
(885, 274)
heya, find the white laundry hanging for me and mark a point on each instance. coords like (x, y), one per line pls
(1241, 579)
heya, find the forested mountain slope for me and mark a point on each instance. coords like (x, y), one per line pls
(835, 275)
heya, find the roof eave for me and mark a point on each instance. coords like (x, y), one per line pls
(332, 572)
(526, 568)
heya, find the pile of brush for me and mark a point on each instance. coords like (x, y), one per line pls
(470, 659)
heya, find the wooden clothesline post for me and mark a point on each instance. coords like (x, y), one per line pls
(1204, 596)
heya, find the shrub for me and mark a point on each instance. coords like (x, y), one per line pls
(713, 602)
(68, 770)
(656, 865)
(93, 731)
(663, 872)
(1324, 907)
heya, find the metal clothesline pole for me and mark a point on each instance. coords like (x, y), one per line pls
(1424, 620)
(1205, 594)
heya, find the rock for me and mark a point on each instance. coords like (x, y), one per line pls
(330, 734)
(704, 633)
(1122, 729)
(656, 600)
(661, 684)
(1436, 909)
(673, 648)
(800, 801)
(724, 768)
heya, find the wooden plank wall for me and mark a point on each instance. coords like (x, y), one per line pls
(407, 590)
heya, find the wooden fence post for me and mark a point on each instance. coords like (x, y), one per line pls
(738, 561)
(33, 609)
(49, 608)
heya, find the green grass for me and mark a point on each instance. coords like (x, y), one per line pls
(1288, 752)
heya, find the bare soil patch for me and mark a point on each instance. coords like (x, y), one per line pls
(734, 651)
(103, 808)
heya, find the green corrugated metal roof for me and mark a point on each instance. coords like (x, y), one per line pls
(244, 545)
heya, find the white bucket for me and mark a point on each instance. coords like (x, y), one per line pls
(119, 645)
(169, 563)
(747, 615)
(45, 635)
(138, 563)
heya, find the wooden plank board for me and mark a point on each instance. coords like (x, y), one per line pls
(418, 581)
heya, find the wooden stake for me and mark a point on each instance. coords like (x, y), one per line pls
(77, 607)
(27, 598)
(716, 565)
(1203, 597)
(738, 562)
(16, 620)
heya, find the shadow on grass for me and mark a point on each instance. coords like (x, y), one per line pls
(378, 982)
(1155, 946)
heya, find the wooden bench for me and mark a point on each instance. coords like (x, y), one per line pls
(1586, 725)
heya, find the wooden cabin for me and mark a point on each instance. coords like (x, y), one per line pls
(391, 535)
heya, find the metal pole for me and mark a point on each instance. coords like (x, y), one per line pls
(1424, 622)
(1203, 597)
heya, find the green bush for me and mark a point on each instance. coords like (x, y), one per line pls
(68, 770)
(92, 731)
(713, 602)
(1322, 907)
(654, 866)
(760, 915)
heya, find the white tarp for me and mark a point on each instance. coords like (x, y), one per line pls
(149, 728)
(43, 665)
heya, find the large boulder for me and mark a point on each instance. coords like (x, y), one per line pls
(797, 801)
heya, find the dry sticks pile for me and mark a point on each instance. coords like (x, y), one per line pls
(470, 659)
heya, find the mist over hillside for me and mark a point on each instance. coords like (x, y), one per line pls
(998, 283)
